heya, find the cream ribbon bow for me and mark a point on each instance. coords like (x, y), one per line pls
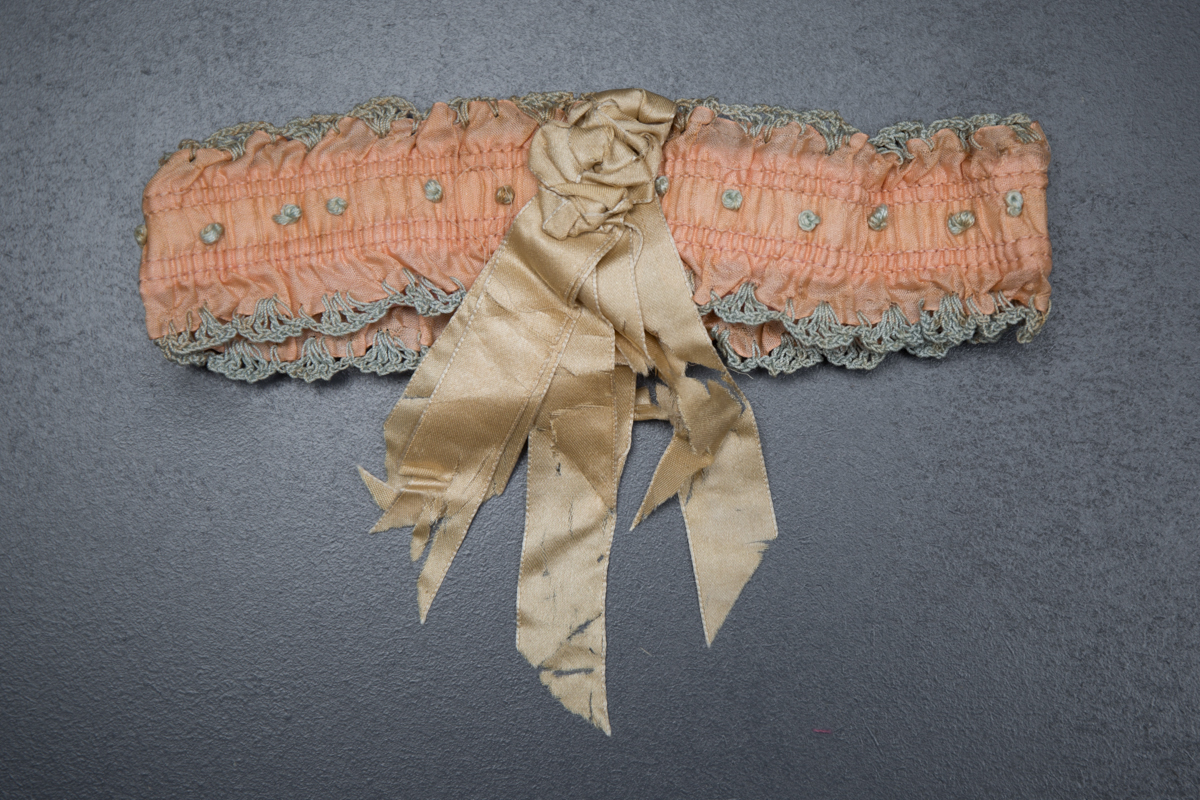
(586, 291)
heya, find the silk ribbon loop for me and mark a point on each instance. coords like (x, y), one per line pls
(586, 290)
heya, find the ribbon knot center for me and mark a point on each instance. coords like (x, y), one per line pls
(601, 161)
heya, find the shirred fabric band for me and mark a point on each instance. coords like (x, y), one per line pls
(774, 294)
(531, 258)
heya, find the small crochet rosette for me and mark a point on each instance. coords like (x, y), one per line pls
(340, 242)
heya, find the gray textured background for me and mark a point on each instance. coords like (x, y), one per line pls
(985, 583)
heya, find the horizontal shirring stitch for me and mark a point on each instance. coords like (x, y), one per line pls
(520, 165)
(450, 237)
(372, 162)
(273, 187)
(695, 241)
(891, 269)
(774, 170)
(808, 263)
(1004, 265)
(723, 175)
(875, 196)
(407, 222)
(798, 242)
(513, 164)
(339, 173)
(366, 237)
(412, 222)
(218, 194)
(280, 263)
(195, 274)
(274, 263)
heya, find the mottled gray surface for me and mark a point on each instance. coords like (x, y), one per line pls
(985, 583)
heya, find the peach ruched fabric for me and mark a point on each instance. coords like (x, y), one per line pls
(390, 231)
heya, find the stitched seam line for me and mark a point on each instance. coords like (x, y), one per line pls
(892, 269)
(259, 253)
(385, 168)
(854, 255)
(691, 242)
(390, 169)
(864, 253)
(690, 159)
(875, 195)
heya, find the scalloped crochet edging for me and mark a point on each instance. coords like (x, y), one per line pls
(822, 337)
(233, 348)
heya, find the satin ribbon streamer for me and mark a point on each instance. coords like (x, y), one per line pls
(586, 291)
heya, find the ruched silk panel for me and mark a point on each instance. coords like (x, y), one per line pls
(391, 234)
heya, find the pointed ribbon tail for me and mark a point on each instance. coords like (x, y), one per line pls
(577, 451)
(730, 521)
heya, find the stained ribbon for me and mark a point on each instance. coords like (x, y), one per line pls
(586, 292)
